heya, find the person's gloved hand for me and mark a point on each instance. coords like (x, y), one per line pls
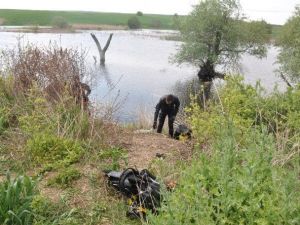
(154, 125)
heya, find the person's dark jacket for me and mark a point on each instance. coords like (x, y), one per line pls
(169, 109)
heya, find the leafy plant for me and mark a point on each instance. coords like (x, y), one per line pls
(49, 149)
(65, 177)
(289, 42)
(16, 197)
(49, 213)
(3, 124)
(139, 13)
(134, 23)
(115, 156)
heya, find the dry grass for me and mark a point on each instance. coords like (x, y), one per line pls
(57, 72)
(145, 147)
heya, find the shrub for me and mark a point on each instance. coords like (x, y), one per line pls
(16, 197)
(49, 149)
(134, 23)
(3, 124)
(65, 177)
(60, 22)
(139, 13)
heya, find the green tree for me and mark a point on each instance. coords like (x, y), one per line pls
(216, 33)
(134, 23)
(289, 42)
(139, 13)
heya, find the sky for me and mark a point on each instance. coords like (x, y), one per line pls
(273, 11)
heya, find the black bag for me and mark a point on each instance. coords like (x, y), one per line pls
(141, 188)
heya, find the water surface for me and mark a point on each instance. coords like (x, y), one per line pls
(138, 67)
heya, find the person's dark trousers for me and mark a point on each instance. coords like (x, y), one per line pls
(161, 121)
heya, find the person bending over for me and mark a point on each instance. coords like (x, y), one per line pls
(168, 105)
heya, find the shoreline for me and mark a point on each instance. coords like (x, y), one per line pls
(74, 28)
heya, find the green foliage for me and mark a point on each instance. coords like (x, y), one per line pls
(49, 149)
(65, 177)
(16, 197)
(249, 172)
(6, 102)
(139, 13)
(215, 32)
(248, 106)
(62, 119)
(60, 22)
(3, 124)
(289, 42)
(115, 157)
(49, 213)
(73, 122)
(134, 23)
(235, 185)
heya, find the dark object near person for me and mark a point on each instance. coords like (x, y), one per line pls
(141, 188)
(182, 131)
(160, 155)
(168, 105)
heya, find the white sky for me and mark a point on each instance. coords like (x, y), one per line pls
(273, 11)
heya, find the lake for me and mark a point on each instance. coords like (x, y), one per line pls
(138, 71)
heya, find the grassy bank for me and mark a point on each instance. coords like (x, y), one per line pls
(45, 18)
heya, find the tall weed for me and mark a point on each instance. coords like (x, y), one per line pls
(15, 201)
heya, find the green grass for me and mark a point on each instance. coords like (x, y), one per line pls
(44, 18)
(16, 196)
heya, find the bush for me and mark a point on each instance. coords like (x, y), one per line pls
(134, 23)
(60, 22)
(65, 177)
(3, 124)
(16, 197)
(139, 13)
(49, 149)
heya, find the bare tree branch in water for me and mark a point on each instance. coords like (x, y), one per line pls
(102, 51)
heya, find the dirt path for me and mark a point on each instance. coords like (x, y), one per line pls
(145, 147)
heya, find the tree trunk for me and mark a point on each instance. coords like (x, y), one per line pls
(102, 51)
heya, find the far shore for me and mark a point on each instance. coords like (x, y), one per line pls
(74, 28)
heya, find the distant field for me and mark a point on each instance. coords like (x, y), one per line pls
(45, 18)
(91, 19)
